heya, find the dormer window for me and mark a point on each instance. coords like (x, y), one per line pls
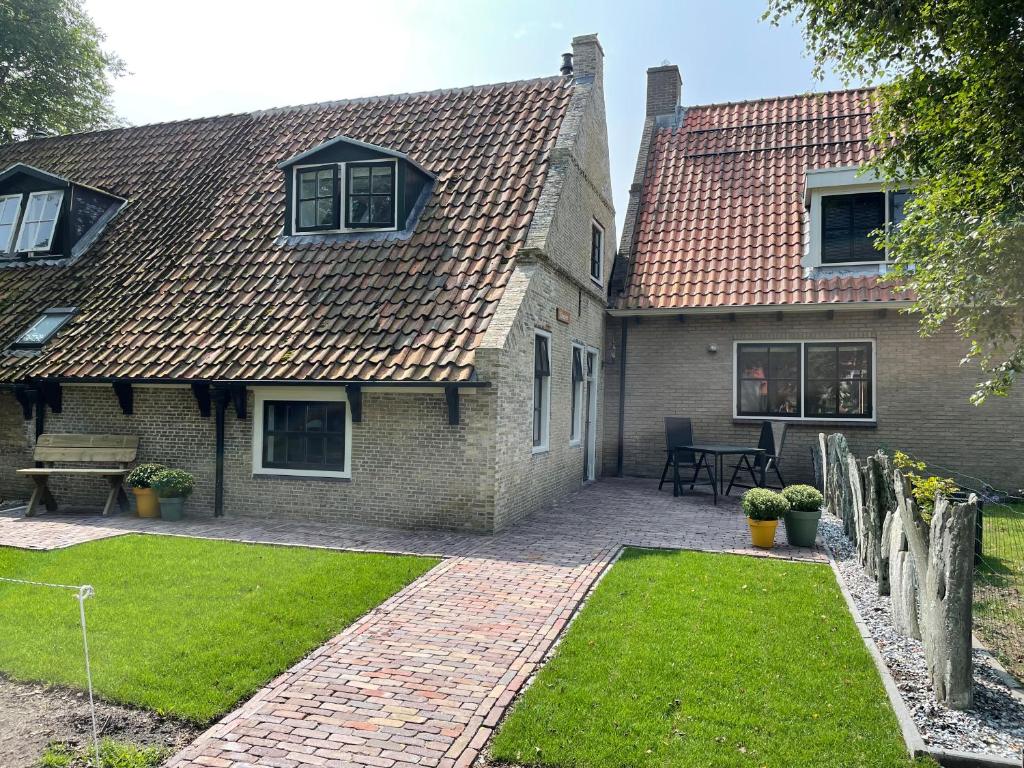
(47, 217)
(845, 211)
(43, 329)
(345, 186)
(40, 221)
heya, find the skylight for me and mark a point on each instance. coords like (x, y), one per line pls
(43, 329)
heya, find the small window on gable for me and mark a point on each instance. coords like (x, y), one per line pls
(596, 252)
(40, 221)
(316, 198)
(43, 329)
(847, 222)
(10, 207)
(371, 195)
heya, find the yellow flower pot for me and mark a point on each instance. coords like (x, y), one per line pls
(762, 532)
(147, 503)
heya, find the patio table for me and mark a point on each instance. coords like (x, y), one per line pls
(716, 473)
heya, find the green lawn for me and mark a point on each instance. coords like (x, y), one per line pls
(696, 659)
(185, 626)
(999, 585)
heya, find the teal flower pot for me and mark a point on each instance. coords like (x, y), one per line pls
(172, 507)
(801, 527)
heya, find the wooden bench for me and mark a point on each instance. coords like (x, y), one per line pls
(83, 450)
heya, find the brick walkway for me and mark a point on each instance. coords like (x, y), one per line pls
(424, 678)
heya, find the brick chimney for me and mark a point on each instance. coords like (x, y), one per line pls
(664, 88)
(587, 58)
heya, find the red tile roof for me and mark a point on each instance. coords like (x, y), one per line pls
(722, 210)
(192, 281)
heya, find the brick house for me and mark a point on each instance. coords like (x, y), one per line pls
(747, 289)
(385, 310)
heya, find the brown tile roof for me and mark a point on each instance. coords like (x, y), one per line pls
(721, 215)
(191, 281)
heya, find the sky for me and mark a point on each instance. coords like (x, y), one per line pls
(196, 58)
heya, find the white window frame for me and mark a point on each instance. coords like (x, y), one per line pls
(343, 200)
(298, 394)
(545, 421)
(53, 224)
(6, 247)
(576, 418)
(599, 280)
(803, 381)
(826, 182)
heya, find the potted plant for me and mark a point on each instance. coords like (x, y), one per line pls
(804, 512)
(173, 486)
(763, 509)
(140, 480)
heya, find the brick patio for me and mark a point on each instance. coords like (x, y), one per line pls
(424, 678)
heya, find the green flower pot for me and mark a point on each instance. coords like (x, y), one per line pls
(172, 507)
(802, 527)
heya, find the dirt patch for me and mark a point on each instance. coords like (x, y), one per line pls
(32, 715)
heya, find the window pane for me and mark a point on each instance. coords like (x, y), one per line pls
(296, 449)
(9, 212)
(783, 397)
(334, 453)
(380, 209)
(277, 449)
(821, 362)
(853, 361)
(307, 185)
(821, 398)
(784, 363)
(335, 417)
(753, 361)
(314, 417)
(753, 396)
(325, 183)
(897, 202)
(307, 213)
(853, 398)
(381, 182)
(359, 209)
(325, 212)
(314, 450)
(41, 329)
(296, 417)
(6, 230)
(359, 180)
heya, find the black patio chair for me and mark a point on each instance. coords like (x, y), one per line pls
(772, 440)
(678, 432)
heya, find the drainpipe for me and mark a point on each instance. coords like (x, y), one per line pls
(620, 459)
(220, 402)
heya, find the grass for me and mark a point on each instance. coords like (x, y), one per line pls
(181, 626)
(695, 659)
(999, 585)
(113, 754)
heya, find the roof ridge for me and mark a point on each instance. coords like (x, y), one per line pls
(297, 108)
(806, 94)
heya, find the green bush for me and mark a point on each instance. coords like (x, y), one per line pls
(803, 498)
(142, 476)
(924, 488)
(762, 504)
(173, 483)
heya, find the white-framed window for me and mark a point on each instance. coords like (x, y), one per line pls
(10, 207)
(541, 390)
(597, 253)
(44, 327)
(577, 379)
(40, 221)
(844, 210)
(302, 431)
(811, 380)
(345, 197)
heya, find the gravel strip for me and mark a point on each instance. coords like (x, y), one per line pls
(994, 725)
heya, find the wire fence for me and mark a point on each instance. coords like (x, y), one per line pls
(82, 593)
(998, 567)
